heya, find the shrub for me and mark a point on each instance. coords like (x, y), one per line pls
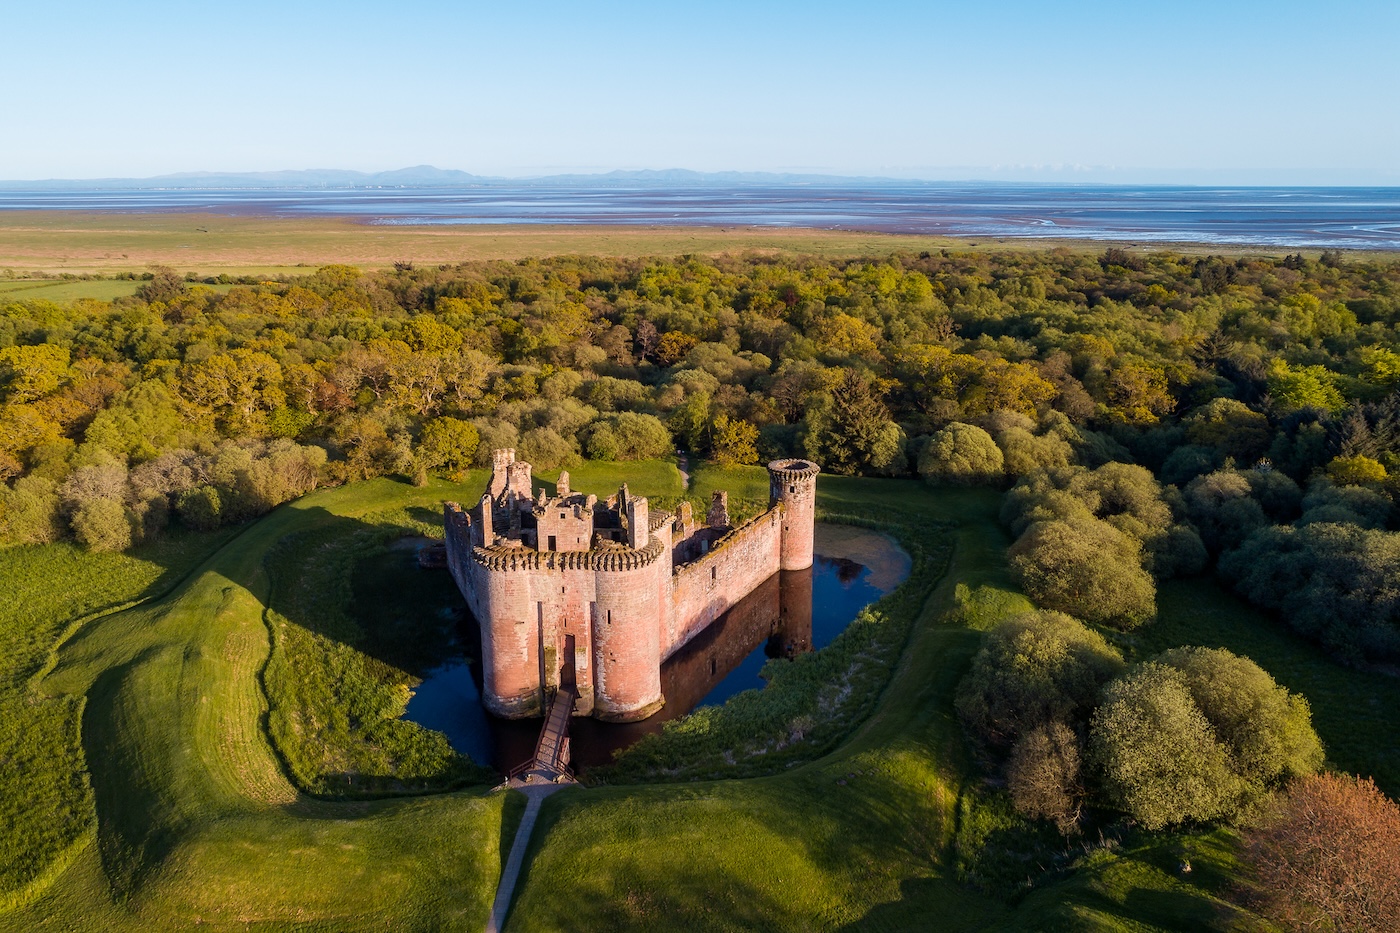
(1356, 471)
(1354, 505)
(1025, 452)
(1332, 582)
(1267, 730)
(200, 508)
(102, 525)
(449, 444)
(546, 449)
(627, 436)
(1187, 463)
(1223, 508)
(29, 512)
(1087, 568)
(1043, 775)
(961, 455)
(1230, 427)
(1156, 753)
(1034, 669)
(1198, 734)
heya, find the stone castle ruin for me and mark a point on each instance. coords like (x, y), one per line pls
(595, 594)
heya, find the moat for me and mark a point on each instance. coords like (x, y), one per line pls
(791, 612)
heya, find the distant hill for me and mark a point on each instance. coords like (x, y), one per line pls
(426, 176)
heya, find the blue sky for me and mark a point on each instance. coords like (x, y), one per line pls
(1222, 92)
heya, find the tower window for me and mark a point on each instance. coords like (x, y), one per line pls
(792, 488)
(714, 571)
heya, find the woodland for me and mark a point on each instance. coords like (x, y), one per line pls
(1256, 398)
(1145, 417)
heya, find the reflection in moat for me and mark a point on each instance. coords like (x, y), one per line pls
(789, 613)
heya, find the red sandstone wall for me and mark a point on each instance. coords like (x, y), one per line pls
(798, 495)
(626, 648)
(705, 589)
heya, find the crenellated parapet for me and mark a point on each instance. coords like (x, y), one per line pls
(613, 558)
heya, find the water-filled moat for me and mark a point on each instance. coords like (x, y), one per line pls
(789, 613)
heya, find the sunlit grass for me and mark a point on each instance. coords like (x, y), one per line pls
(192, 819)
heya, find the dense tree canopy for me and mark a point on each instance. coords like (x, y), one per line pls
(1189, 366)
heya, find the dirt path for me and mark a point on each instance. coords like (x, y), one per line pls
(683, 468)
(510, 874)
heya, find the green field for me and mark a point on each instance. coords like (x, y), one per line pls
(161, 802)
(66, 289)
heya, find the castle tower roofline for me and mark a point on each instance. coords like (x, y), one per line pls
(794, 470)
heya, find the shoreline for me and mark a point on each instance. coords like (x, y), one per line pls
(35, 244)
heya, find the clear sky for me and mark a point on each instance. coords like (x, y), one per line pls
(1212, 92)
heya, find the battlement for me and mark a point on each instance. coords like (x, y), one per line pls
(568, 588)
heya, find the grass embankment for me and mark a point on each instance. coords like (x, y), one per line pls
(356, 624)
(45, 801)
(196, 822)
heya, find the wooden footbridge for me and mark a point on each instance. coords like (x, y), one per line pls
(551, 760)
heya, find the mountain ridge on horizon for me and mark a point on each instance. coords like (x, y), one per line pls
(428, 176)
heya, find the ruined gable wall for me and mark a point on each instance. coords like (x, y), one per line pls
(703, 590)
(568, 524)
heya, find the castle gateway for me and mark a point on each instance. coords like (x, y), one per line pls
(596, 594)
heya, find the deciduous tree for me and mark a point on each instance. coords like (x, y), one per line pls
(1329, 858)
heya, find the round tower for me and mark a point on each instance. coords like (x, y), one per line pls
(626, 642)
(793, 483)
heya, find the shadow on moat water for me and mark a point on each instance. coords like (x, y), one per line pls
(789, 613)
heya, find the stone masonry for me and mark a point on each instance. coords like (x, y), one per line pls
(570, 588)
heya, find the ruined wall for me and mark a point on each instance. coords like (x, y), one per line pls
(702, 591)
(564, 527)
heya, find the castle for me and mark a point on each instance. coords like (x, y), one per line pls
(595, 594)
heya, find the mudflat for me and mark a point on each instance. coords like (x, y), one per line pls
(106, 243)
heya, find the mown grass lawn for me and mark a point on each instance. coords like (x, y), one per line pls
(191, 819)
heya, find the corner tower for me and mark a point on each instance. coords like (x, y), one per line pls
(793, 484)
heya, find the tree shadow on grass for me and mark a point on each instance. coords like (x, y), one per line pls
(134, 830)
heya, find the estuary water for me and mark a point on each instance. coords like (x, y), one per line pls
(791, 613)
(1315, 218)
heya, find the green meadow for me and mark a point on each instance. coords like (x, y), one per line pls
(66, 289)
(175, 714)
